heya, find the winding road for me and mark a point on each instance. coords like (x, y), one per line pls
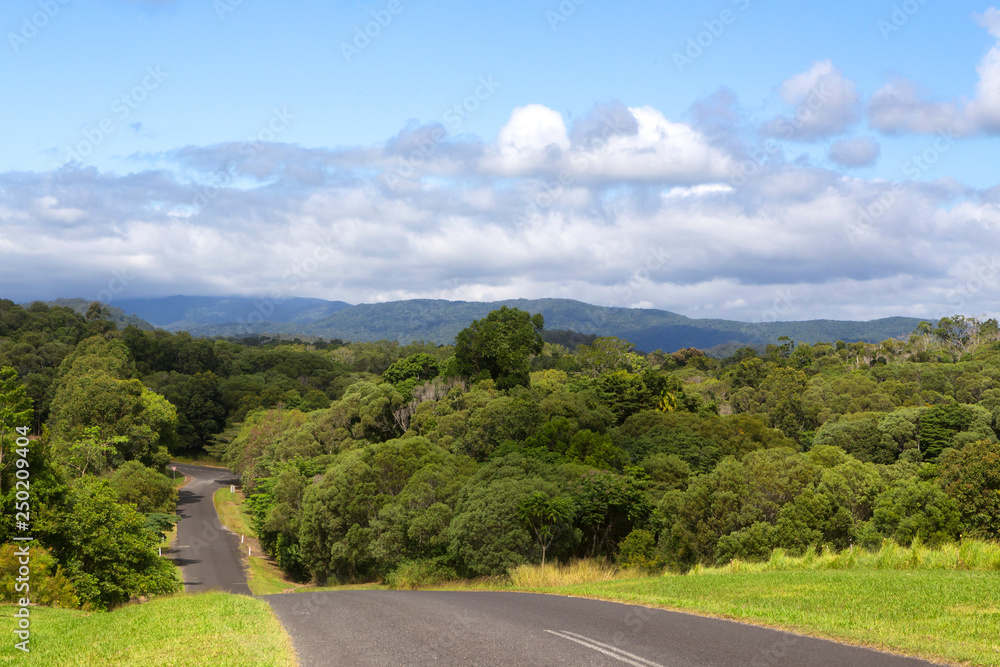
(378, 628)
(207, 553)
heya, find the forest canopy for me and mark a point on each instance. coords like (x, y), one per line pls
(362, 458)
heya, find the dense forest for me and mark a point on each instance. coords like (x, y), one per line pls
(362, 460)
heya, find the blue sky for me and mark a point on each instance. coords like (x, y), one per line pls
(741, 159)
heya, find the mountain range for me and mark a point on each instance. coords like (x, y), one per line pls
(439, 321)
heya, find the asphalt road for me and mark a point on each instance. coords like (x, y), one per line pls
(208, 554)
(359, 628)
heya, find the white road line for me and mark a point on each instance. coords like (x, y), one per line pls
(595, 645)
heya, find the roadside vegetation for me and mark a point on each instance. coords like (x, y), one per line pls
(175, 631)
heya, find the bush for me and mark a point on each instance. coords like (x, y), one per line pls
(108, 551)
(49, 584)
(413, 574)
(638, 549)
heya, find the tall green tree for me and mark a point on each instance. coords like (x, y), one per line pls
(545, 515)
(500, 345)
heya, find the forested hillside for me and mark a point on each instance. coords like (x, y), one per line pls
(365, 460)
(439, 321)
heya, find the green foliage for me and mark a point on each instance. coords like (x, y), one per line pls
(140, 425)
(609, 506)
(488, 535)
(48, 584)
(364, 516)
(971, 476)
(638, 549)
(147, 489)
(108, 551)
(407, 373)
(500, 346)
(939, 425)
(15, 412)
(609, 353)
(413, 574)
(914, 509)
(546, 516)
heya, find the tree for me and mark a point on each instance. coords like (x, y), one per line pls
(95, 312)
(610, 506)
(971, 476)
(15, 412)
(108, 551)
(913, 508)
(500, 345)
(151, 492)
(609, 353)
(119, 409)
(543, 515)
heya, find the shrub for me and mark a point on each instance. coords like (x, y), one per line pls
(49, 584)
(413, 574)
(638, 549)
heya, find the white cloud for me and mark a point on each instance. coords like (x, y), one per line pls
(856, 152)
(826, 104)
(898, 107)
(646, 147)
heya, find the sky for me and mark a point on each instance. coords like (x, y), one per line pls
(733, 159)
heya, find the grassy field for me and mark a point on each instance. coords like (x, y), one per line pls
(176, 631)
(943, 615)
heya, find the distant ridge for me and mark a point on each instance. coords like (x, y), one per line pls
(439, 321)
(176, 313)
(116, 315)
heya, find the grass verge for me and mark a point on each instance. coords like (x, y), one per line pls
(938, 614)
(263, 576)
(177, 631)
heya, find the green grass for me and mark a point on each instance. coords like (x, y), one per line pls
(229, 506)
(965, 555)
(181, 630)
(938, 614)
(264, 577)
